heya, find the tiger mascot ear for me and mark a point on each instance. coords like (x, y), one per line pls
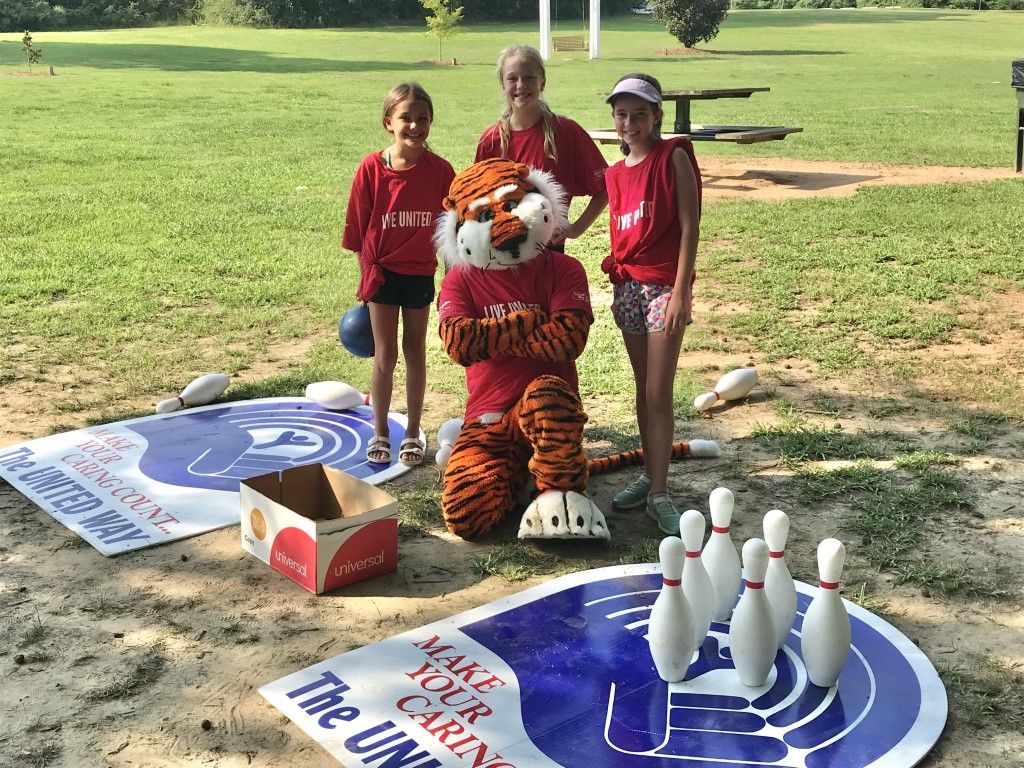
(499, 214)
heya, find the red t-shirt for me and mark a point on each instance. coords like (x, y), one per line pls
(391, 217)
(642, 216)
(580, 168)
(549, 282)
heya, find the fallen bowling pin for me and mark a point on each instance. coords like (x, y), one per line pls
(336, 395)
(201, 391)
(735, 385)
(446, 437)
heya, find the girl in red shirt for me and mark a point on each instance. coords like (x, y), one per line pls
(392, 208)
(529, 132)
(654, 198)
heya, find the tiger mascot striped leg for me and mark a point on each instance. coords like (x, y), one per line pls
(541, 437)
(491, 463)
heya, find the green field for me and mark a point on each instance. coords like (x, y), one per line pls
(172, 202)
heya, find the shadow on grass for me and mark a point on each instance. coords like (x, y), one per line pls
(186, 58)
(706, 53)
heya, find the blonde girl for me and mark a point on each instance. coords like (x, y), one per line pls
(529, 132)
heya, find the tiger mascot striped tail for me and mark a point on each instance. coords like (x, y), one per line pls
(602, 465)
(516, 315)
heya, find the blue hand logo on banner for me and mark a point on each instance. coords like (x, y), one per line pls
(154, 479)
(561, 674)
(215, 447)
(596, 651)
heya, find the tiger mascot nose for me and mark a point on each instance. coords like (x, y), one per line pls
(509, 244)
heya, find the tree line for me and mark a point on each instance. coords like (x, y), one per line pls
(689, 21)
(43, 15)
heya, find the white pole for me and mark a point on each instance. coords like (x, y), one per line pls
(595, 29)
(545, 29)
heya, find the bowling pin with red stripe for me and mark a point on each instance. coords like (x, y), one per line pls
(825, 634)
(751, 632)
(778, 583)
(201, 391)
(734, 385)
(719, 556)
(670, 630)
(700, 595)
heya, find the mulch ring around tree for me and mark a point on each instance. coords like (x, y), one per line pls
(683, 52)
(46, 73)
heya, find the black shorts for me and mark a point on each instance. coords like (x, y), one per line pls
(409, 291)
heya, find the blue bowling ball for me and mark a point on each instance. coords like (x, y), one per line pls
(355, 333)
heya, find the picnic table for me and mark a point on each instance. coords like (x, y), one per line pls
(740, 134)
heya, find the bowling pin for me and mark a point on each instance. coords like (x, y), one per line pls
(336, 395)
(670, 630)
(201, 391)
(751, 633)
(778, 583)
(825, 634)
(446, 437)
(720, 558)
(735, 385)
(696, 582)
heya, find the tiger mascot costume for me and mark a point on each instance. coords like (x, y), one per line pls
(516, 315)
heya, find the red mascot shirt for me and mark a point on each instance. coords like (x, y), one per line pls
(550, 281)
(391, 216)
(643, 218)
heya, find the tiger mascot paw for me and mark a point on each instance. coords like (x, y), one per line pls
(557, 515)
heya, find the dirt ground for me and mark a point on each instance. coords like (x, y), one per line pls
(154, 658)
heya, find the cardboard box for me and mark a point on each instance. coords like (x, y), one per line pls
(319, 526)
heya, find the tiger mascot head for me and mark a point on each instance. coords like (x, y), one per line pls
(499, 214)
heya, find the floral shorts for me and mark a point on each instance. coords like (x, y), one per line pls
(640, 307)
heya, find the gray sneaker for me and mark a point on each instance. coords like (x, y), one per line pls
(661, 508)
(633, 495)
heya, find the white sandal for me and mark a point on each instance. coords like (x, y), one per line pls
(378, 445)
(413, 448)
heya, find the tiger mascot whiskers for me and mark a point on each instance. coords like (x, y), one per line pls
(516, 315)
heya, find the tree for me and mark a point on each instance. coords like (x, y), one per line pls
(690, 21)
(32, 55)
(445, 21)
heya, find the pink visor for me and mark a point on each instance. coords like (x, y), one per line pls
(636, 87)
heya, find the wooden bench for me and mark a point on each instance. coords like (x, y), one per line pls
(739, 134)
(570, 43)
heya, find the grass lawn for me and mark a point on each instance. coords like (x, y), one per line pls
(172, 202)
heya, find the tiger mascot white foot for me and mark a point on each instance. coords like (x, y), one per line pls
(516, 314)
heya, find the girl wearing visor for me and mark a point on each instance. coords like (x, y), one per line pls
(654, 201)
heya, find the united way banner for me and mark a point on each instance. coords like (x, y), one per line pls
(147, 481)
(561, 675)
